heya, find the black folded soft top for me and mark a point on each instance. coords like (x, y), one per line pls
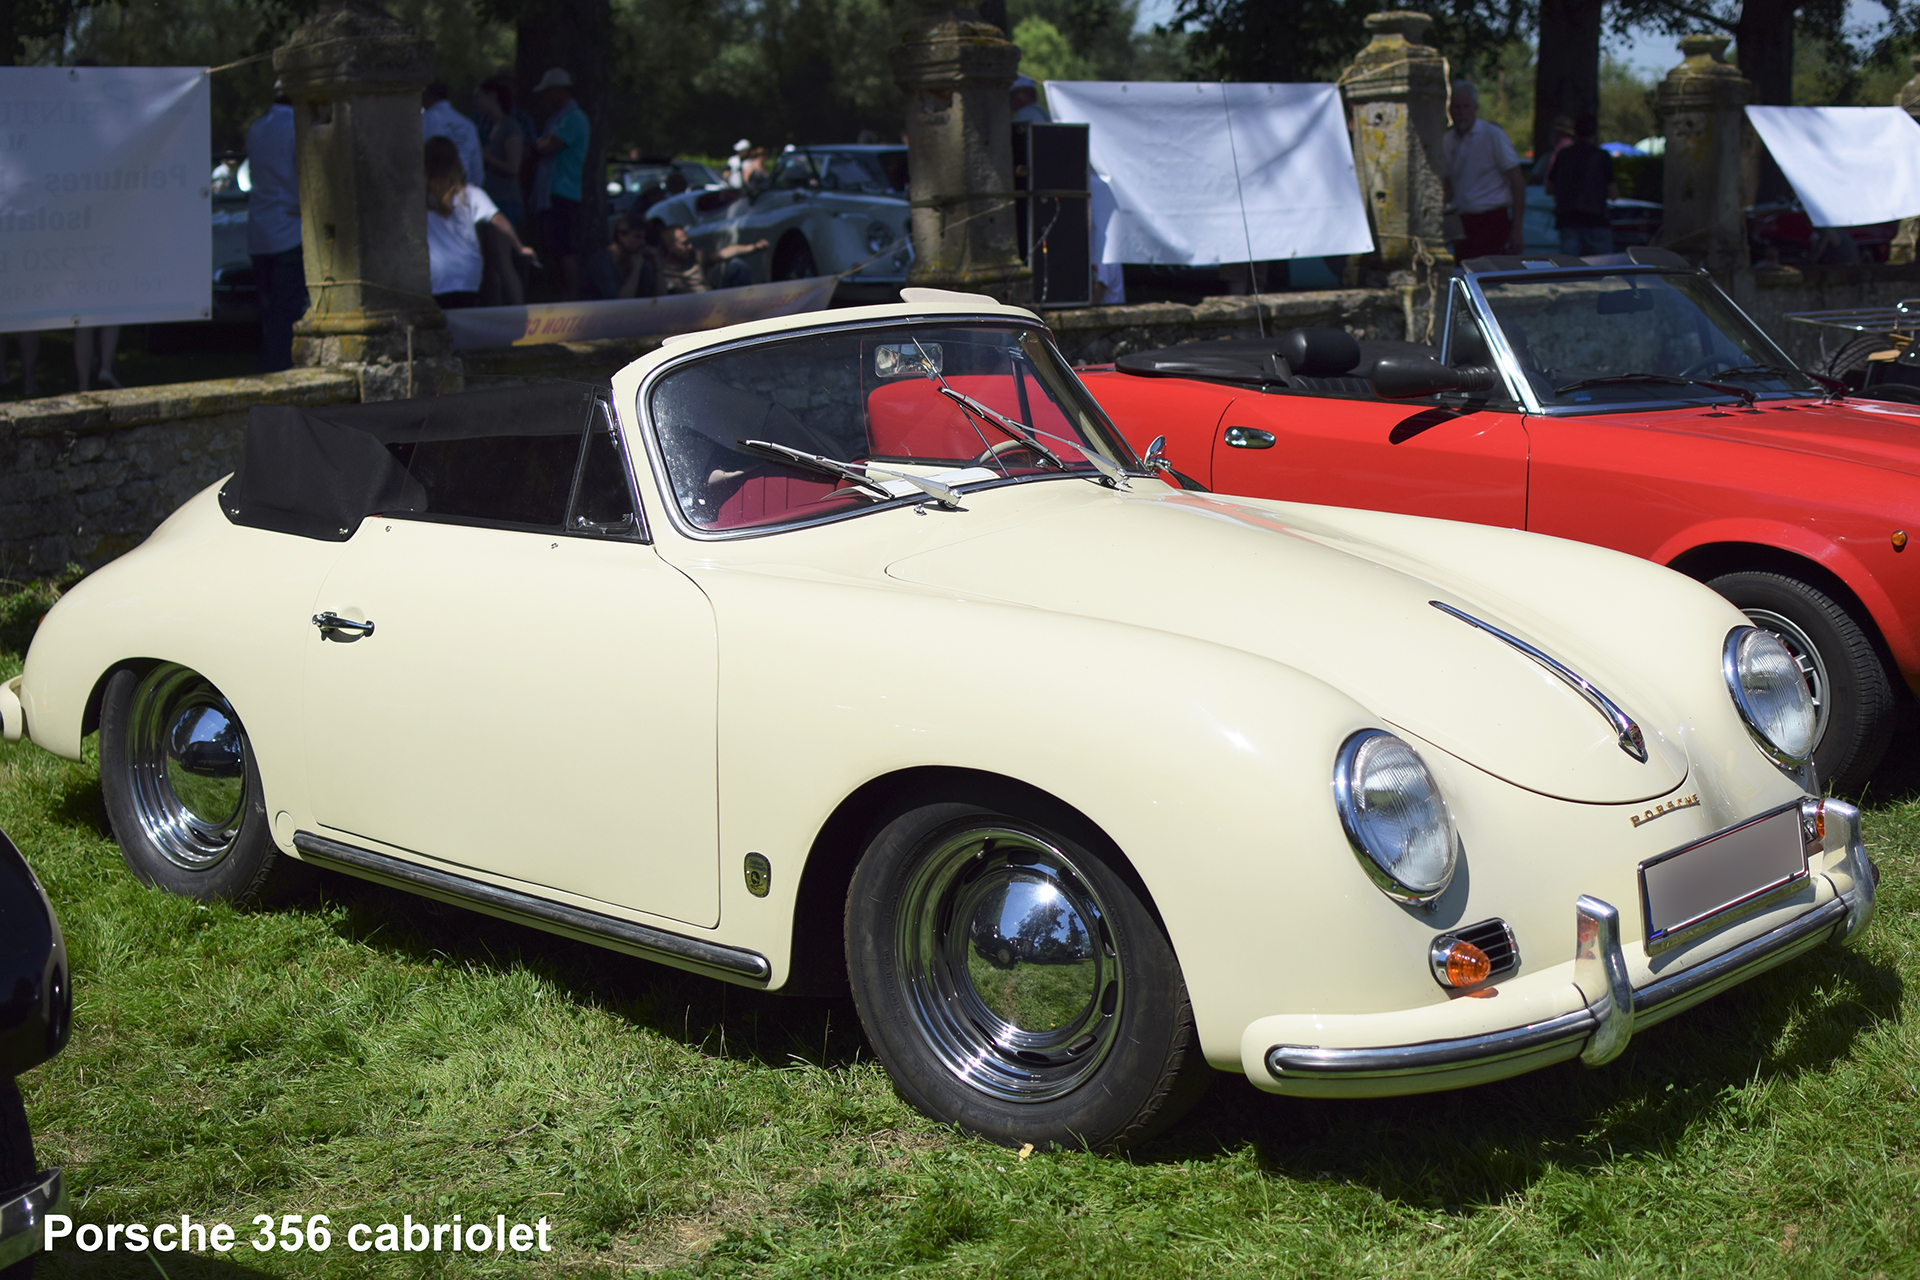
(318, 472)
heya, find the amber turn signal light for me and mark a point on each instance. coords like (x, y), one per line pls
(1459, 964)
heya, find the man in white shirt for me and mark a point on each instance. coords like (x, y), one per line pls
(273, 233)
(438, 119)
(1483, 180)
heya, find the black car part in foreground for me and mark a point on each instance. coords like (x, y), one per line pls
(36, 1014)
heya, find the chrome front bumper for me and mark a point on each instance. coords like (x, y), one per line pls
(22, 1217)
(1603, 1028)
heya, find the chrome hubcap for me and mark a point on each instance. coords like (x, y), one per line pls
(1008, 964)
(187, 755)
(1806, 656)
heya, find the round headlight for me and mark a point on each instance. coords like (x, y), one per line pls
(1395, 816)
(879, 236)
(1771, 693)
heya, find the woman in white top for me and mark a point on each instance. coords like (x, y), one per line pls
(455, 208)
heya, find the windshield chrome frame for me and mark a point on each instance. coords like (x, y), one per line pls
(1509, 362)
(663, 481)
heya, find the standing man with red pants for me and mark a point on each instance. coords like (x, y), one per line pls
(1483, 180)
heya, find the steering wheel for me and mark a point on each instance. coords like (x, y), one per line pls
(1699, 366)
(998, 453)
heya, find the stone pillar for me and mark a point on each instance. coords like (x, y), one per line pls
(1396, 98)
(1902, 248)
(957, 72)
(355, 76)
(1702, 106)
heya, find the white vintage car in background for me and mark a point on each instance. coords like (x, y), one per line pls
(823, 211)
(858, 648)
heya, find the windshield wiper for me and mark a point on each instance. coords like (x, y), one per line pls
(945, 494)
(1020, 431)
(1743, 394)
(1834, 386)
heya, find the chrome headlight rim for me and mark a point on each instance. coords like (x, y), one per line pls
(1782, 758)
(1352, 824)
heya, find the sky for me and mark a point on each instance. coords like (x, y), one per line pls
(1650, 53)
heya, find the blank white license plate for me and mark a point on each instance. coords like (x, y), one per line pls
(1688, 886)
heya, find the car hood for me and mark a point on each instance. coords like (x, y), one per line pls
(1266, 580)
(1874, 433)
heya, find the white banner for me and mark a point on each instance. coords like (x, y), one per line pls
(635, 317)
(1205, 173)
(1849, 165)
(104, 215)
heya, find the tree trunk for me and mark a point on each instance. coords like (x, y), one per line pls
(1567, 70)
(575, 35)
(1763, 46)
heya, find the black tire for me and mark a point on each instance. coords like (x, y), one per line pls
(1894, 392)
(1104, 1053)
(16, 1159)
(182, 792)
(793, 260)
(1850, 685)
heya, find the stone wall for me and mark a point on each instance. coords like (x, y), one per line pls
(1768, 296)
(84, 478)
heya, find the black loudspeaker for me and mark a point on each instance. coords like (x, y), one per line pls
(1055, 221)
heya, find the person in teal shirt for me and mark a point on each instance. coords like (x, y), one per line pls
(563, 146)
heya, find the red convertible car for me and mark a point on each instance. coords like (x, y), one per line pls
(1624, 401)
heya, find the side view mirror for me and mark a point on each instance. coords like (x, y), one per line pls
(1416, 377)
(1156, 456)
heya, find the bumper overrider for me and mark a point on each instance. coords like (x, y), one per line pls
(23, 1215)
(1599, 1031)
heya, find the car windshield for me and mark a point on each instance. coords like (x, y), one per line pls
(869, 172)
(1581, 340)
(894, 396)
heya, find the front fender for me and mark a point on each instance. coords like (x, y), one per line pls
(1831, 554)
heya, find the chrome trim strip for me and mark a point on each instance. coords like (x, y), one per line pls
(1743, 961)
(1631, 740)
(1285, 1061)
(22, 1216)
(733, 963)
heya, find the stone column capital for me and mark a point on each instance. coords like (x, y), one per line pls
(1704, 81)
(353, 48)
(1394, 64)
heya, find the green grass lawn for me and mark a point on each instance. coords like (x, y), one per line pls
(369, 1056)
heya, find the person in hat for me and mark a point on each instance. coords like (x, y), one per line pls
(736, 164)
(1024, 99)
(563, 141)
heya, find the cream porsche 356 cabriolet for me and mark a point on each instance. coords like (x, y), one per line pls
(859, 649)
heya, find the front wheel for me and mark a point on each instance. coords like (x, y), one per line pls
(1013, 983)
(183, 793)
(1852, 697)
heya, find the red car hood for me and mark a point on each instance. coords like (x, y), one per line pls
(1874, 433)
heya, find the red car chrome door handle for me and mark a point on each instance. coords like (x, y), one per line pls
(331, 621)
(1249, 438)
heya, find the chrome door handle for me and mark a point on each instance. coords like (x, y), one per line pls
(1249, 438)
(331, 621)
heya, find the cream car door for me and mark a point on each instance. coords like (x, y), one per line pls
(535, 698)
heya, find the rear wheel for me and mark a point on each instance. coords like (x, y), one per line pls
(1853, 699)
(1012, 982)
(183, 794)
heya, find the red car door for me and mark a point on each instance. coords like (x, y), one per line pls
(1422, 460)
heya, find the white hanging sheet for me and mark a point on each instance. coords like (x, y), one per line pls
(1171, 152)
(1850, 166)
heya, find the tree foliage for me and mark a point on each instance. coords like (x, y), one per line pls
(1315, 39)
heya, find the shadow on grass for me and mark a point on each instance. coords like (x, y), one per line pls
(66, 1263)
(718, 1018)
(1469, 1148)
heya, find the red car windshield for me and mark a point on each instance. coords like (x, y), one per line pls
(956, 404)
(1610, 340)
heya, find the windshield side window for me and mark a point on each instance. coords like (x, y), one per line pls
(603, 497)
